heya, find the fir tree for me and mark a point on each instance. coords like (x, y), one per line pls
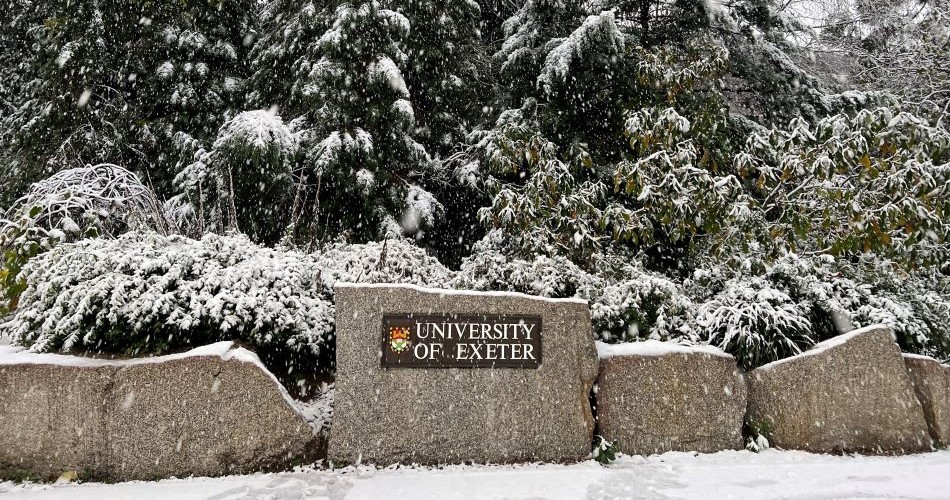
(363, 153)
(285, 52)
(252, 163)
(444, 52)
(16, 43)
(529, 35)
(116, 81)
(445, 75)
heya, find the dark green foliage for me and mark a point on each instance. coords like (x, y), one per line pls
(148, 294)
(116, 80)
(605, 451)
(360, 138)
(442, 69)
(285, 51)
(529, 35)
(657, 22)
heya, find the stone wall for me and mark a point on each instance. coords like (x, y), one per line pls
(216, 410)
(849, 394)
(212, 411)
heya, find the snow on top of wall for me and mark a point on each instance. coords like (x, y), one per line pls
(655, 348)
(226, 350)
(923, 358)
(444, 291)
(823, 346)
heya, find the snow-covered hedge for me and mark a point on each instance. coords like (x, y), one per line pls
(755, 322)
(490, 267)
(852, 294)
(627, 303)
(144, 293)
(644, 306)
(389, 261)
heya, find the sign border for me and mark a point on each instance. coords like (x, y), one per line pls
(476, 317)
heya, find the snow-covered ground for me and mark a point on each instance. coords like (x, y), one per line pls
(726, 475)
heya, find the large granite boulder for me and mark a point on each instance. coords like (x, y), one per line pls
(475, 414)
(932, 382)
(654, 397)
(847, 394)
(214, 410)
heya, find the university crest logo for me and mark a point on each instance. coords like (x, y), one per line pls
(399, 338)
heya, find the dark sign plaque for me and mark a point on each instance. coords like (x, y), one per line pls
(461, 341)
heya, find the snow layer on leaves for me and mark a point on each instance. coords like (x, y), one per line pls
(107, 198)
(404, 112)
(490, 268)
(165, 70)
(627, 303)
(366, 181)
(644, 305)
(398, 22)
(102, 200)
(146, 290)
(468, 174)
(422, 209)
(385, 70)
(754, 321)
(598, 34)
(261, 130)
(336, 144)
(873, 182)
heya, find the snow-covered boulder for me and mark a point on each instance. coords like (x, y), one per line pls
(932, 382)
(654, 397)
(850, 393)
(210, 411)
(429, 415)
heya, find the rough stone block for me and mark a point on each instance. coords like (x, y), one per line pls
(446, 415)
(847, 394)
(654, 397)
(211, 411)
(932, 383)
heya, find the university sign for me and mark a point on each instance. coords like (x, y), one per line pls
(460, 341)
(436, 376)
